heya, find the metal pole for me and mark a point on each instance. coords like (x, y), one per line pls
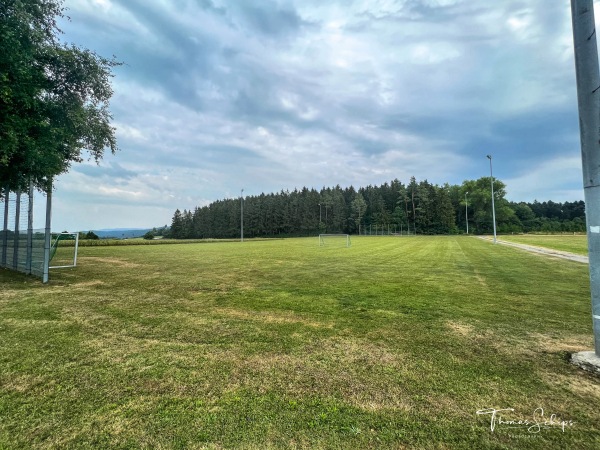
(242, 216)
(76, 249)
(48, 231)
(588, 98)
(5, 232)
(467, 212)
(17, 232)
(493, 207)
(29, 231)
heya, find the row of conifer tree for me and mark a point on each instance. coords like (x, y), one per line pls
(391, 208)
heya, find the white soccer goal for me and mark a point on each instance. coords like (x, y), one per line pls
(334, 239)
(63, 250)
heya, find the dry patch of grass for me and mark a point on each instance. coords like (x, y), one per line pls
(8, 294)
(20, 382)
(27, 322)
(272, 317)
(461, 329)
(87, 284)
(480, 278)
(360, 373)
(121, 263)
(579, 384)
(569, 343)
(527, 344)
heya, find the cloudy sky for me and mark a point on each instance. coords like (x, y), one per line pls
(265, 95)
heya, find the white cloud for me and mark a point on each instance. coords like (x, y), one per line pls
(221, 95)
(433, 53)
(551, 180)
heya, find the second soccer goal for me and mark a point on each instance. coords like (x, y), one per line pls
(334, 239)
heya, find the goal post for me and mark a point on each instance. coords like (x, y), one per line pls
(24, 245)
(63, 250)
(337, 239)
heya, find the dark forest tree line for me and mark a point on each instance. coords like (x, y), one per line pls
(395, 207)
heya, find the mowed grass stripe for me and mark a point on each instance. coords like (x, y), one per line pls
(392, 342)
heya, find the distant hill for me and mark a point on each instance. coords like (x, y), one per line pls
(121, 233)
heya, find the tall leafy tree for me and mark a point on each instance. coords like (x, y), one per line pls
(54, 98)
(359, 207)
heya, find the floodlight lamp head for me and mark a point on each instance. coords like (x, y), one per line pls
(489, 157)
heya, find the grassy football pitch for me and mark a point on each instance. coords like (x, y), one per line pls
(391, 343)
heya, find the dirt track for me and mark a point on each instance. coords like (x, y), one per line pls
(541, 250)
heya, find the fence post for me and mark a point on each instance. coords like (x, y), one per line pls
(47, 234)
(5, 227)
(29, 231)
(16, 237)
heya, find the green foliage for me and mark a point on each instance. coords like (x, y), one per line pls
(394, 207)
(54, 97)
(512, 217)
(359, 206)
(309, 212)
(91, 235)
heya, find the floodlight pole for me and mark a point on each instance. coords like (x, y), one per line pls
(467, 212)
(588, 99)
(242, 217)
(493, 207)
(319, 214)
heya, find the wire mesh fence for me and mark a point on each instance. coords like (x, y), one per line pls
(22, 247)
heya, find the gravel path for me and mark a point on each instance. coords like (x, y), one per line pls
(542, 250)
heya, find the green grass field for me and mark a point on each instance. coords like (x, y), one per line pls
(567, 243)
(392, 343)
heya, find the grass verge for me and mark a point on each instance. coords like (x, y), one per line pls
(567, 243)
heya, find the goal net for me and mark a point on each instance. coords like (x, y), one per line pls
(339, 240)
(63, 250)
(24, 245)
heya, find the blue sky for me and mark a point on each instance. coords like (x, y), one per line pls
(268, 95)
